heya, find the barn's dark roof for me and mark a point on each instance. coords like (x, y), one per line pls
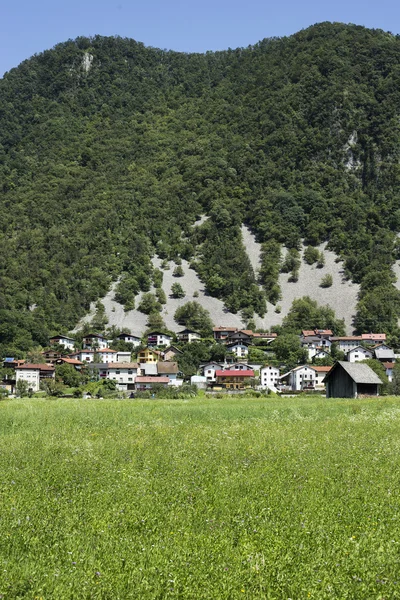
(359, 372)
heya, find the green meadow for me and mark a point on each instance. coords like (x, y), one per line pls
(205, 498)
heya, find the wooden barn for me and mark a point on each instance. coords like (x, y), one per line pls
(351, 380)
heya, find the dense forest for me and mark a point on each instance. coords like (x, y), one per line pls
(110, 151)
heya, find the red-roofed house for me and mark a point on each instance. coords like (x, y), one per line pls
(234, 378)
(146, 383)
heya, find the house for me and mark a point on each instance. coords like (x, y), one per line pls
(323, 333)
(124, 374)
(234, 379)
(122, 357)
(315, 344)
(149, 369)
(83, 355)
(221, 333)
(358, 354)
(268, 337)
(157, 338)
(347, 343)
(383, 353)
(239, 349)
(62, 340)
(95, 341)
(34, 374)
(51, 356)
(129, 339)
(373, 338)
(351, 380)
(244, 335)
(170, 370)
(209, 370)
(171, 352)
(63, 360)
(148, 355)
(320, 374)
(300, 378)
(107, 355)
(188, 336)
(320, 354)
(269, 377)
(147, 383)
(389, 370)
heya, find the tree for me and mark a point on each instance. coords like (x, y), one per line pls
(35, 356)
(149, 304)
(379, 369)
(155, 322)
(68, 375)
(288, 350)
(311, 255)
(307, 314)
(395, 387)
(21, 388)
(194, 316)
(177, 291)
(326, 281)
(178, 271)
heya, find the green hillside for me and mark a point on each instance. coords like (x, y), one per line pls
(110, 151)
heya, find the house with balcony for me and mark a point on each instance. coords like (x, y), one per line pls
(158, 338)
(234, 379)
(187, 336)
(62, 340)
(34, 374)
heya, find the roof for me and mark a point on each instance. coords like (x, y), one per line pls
(106, 350)
(152, 380)
(70, 361)
(167, 367)
(39, 367)
(94, 335)
(188, 331)
(347, 338)
(235, 373)
(122, 365)
(388, 365)
(322, 369)
(308, 332)
(123, 335)
(220, 328)
(265, 335)
(373, 336)
(360, 348)
(172, 349)
(380, 353)
(359, 372)
(64, 337)
(158, 333)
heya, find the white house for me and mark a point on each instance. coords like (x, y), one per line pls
(62, 340)
(209, 370)
(300, 378)
(107, 355)
(123, 357)
(157, 338)
(130, 339)
(83, 355)
(384, 353)
(389, 370)
(239, 349)
(95, 341)
(320, 373)
(124, 374)
(33, 374)
(188, 336)
(347, 343)
(358, 354)
(269, 377)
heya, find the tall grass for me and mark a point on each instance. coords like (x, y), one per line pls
(238, 498)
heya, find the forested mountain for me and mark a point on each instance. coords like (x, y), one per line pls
(110, 151)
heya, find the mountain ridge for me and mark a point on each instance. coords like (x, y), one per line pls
(110, 151)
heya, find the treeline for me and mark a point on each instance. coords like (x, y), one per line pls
(110, 151)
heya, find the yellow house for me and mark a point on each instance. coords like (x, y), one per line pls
(148, 355)
(234, 378)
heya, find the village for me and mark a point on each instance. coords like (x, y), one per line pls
(152, 363)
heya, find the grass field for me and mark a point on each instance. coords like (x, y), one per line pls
(240, 498)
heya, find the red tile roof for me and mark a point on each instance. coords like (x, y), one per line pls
(40, 367)
(235, 373)
(220, 328)
(71, 361)
(152, 380)
(106, 350)
(321, 369)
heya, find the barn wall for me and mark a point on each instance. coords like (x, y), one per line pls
(340, 385)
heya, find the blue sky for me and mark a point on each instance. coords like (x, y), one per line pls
(28, 27)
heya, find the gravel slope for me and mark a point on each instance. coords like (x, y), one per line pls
(342, 296)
